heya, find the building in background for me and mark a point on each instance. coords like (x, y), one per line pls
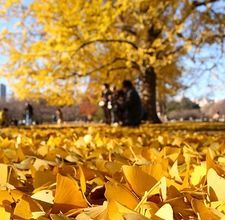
(2, 92)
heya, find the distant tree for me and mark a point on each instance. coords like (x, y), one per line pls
(86, 108)
(213, 108)
(186, 114)
(184, 104)
(43, 112)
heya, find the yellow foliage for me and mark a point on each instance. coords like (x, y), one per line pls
(57, 45)
(151, 172)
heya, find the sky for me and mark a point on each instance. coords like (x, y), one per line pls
(208, 84)
(207, 79)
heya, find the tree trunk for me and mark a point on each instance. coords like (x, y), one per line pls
(149, 95)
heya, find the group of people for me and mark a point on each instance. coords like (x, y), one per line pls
(28, 116)
(122, 106)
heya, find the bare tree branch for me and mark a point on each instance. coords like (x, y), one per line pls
(202, 3)
(94, 70)
(116, 68)
(107, 41)
(106, 65)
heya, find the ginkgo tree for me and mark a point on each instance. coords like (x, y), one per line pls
(57, 45)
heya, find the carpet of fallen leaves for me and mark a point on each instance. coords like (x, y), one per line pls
(171, 171)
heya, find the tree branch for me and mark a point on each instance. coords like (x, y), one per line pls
(73, 74)
(202, 3)
(116, 68)
(195, 4)
(128, 28)
(106, 65)
(107, 41)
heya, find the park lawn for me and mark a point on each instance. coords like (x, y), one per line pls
(169, 171)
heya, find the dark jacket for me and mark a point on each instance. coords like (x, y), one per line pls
(132, 108)
(106, 96)
(29, 110)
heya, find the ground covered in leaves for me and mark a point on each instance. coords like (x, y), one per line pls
(171, 171)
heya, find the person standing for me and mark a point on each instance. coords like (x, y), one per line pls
(216, 116)
(28, 114)
(106, 103)
(4, 120)
(59, 116)
(118, 106)
(132, 105)
(114, 118)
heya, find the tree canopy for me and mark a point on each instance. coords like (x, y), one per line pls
(183, 104)
(56, 47)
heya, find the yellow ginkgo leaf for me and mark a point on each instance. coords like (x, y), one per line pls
(67, 195)
(4, 215)
(210, 163)
(174, 173)
(98, 212)
(215, 186)
(44, 196)
(170, 152)
(58, 217)
(156, 169)
(179, 203)
(3, 174)
(134, 216)
(81, 216)
(26, 207)
(82, 180)
(204, 212)
(198, 173)
(163, 188)
(10, 196)
(133, 175)
(113, 167)
(165, 212)
(119, 193)
(87, 139)
(118, 211)
(43, 178)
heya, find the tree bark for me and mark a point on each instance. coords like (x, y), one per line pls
(149, 95)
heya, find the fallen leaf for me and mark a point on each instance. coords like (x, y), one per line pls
(133, 175)
(215, 186)
(68, 195)
(165, 212)
(119, 193)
